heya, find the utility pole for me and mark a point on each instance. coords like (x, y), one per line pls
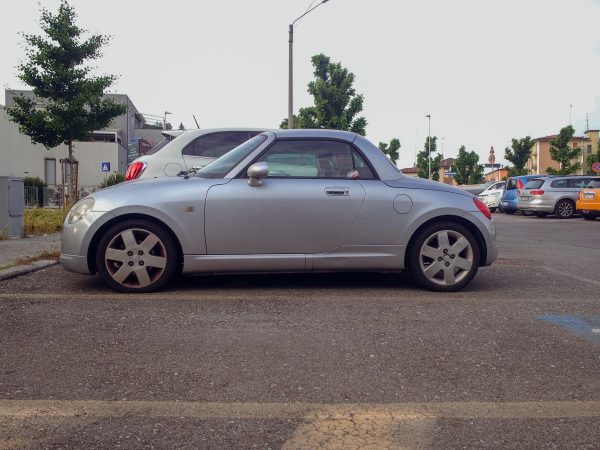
(429, 146)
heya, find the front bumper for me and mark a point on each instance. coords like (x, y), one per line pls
(76, 239)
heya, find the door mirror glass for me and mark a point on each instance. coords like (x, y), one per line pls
(256, 172)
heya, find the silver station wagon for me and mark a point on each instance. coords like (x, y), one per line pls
(283, 201)
(552, 195)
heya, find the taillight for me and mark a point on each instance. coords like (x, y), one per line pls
(483, 208)
(134, 170)
(536, 192)
(519, 184)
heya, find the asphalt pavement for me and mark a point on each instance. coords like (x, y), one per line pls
(314, 361)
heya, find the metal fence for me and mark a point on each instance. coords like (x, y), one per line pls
(51, 196)
(42, 197)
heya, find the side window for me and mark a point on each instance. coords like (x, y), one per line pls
(315, 159)
(579, 183)
(559, 184)
(215, 145)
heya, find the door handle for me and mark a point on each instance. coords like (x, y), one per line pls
(337, 191)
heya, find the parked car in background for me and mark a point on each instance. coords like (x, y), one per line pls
(284, 201)
(477, 189)
(492, 195)
(552, 195)
(588, 203)
(192, 148)
(508, 203)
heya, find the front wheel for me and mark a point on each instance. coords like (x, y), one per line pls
(136, 256)
(564, 209)
(443, 257)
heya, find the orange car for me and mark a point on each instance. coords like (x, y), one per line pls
(588, 203)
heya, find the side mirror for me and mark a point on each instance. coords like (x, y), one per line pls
(256, 172)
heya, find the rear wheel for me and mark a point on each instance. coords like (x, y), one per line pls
(136, 256)
(564, 209)
(444, 257)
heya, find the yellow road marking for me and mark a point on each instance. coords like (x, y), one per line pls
(301, 411)
(323, 426)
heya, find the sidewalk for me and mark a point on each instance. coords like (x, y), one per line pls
(14, 249)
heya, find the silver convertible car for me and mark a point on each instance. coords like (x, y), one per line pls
(284, 201)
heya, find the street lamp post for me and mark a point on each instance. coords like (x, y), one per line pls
(291, 66)
(429, 146)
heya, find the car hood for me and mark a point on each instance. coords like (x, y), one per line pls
(422, 183)
(153, 191)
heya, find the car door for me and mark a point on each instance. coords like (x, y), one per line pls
(307, 204)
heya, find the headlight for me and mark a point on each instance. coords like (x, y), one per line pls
(80, 210)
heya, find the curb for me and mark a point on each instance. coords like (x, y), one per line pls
(17, 271)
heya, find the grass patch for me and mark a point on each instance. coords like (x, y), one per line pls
(53, 255)
(39, 221)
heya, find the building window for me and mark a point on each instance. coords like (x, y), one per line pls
(589, 148)
(50, 171)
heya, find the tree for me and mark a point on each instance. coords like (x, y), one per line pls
(72, 102)
(336, 103)
(592, 158)
(467, 167)
(563, 153)
(391, 149)
(181, 127)
(518, 154)
(422, 160)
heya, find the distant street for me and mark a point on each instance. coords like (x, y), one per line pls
(314, 361)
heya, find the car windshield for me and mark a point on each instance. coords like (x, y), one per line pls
(168, 138)
(484, 186)
(534, 184)
(221, 166)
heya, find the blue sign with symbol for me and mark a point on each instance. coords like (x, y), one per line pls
(106, 167)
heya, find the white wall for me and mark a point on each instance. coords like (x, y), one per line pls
(18, 156)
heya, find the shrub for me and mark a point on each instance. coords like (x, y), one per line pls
(112, 179)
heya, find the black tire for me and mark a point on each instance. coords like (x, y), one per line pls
(150, 251)
(493, 210)
(564, 209)
(541, 214)
(588, 216)
(458, 277)
(527, 213)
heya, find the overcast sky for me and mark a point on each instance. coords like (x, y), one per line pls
(486, 71)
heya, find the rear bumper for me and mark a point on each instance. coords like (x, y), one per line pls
(537, 205)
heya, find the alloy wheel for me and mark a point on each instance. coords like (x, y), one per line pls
(565, 209)
(135, 258)
(446, 257)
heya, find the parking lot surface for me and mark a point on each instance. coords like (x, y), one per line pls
(314, 361)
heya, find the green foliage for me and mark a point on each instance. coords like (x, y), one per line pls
(563, 153)
(391, 149)
(436, 161)
(112, 179)
(39, 221)
(591, 159)
(34, 181)
(519, 153)
(336, 103)
(69, 102)
(467, 167)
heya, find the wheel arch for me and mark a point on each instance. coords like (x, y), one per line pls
(451, 218)
(93, 247)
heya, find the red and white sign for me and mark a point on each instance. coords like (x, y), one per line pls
(596, 167)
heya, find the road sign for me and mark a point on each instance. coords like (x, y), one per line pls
(596, 167)
(106, 166)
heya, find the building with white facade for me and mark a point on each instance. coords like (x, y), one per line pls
(20, 157)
